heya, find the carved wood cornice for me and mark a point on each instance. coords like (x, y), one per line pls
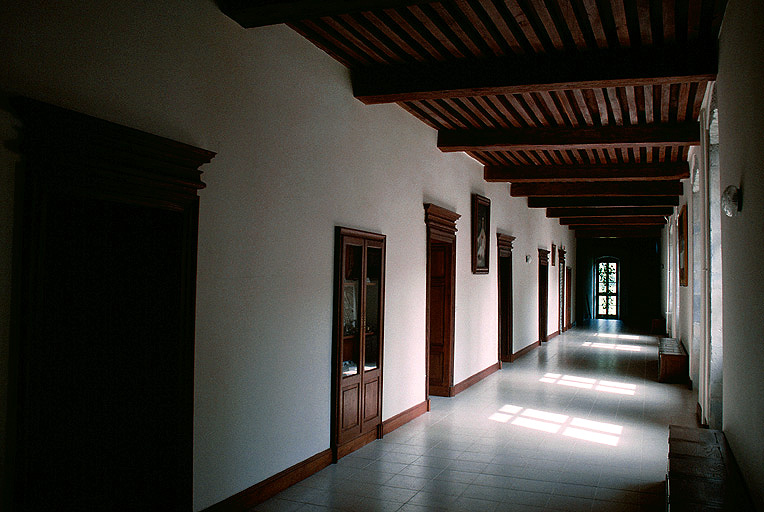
(439, 220)
(543, 257)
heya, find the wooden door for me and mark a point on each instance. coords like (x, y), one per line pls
(440, 318)
(568, 308)
(441, 279)
(106, 331)
(504, 245)
(358, 330)
(543, 294)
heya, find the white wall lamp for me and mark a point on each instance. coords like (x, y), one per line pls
(732, 201)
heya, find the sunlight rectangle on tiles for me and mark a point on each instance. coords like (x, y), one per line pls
(579, 379)
(510, 409)
(546, 416)
(548, 380)
(574, 384)
(612, 384)
(553, 375)
(501, 418)
(588, 435)
(618, 391)
(543, 426)
(609, 428)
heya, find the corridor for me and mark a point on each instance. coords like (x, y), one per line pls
(578, 424)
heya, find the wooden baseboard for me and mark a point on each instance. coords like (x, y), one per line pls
(520, 353)
(553, 335)
(458, 388)
(404, 417)
(270, 487)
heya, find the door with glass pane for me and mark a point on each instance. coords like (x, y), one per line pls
(607, 288)
(359, 307)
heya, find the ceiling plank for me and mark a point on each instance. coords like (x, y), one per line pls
(598, 202)
(622, 211)
(562, 138)
(595, 189)
(612, 221)
(518, 74)
(257, 13)
(573, 173)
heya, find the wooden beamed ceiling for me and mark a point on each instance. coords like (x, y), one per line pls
(588, 105)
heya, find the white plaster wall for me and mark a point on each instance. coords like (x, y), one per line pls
(297, 155)
(741, 153)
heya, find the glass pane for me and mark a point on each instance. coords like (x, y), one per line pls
(351, 305)
(602, 309)
(611, 305)
(373, 278)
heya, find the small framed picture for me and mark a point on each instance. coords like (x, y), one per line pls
(481, 228)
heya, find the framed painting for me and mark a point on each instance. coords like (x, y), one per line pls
(481, 228)
(682, 245)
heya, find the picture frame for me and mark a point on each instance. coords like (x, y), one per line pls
(481, 230)
(682, 245)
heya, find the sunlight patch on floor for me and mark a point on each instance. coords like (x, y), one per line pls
(555, 423)
(606, 386)
(613, 346)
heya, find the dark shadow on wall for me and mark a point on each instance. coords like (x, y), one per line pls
(639, 280)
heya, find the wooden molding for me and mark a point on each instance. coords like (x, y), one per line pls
(466, 383)
(594, 189)
(543, 257)
(520, 353)
(564, 138)
(553, 335)
(404, 417)
(624, 211)
(504, 244)
(596, 202)
(439, 219)
(258, 493)
(573, 173)
(518, 74)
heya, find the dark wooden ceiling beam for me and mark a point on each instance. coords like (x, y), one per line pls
(599, 202)
(595, 189)
(612, 221)
(624, 211)
(518, 74)
(564, 138)
(259, 13)
(620, 232)
(573, 173)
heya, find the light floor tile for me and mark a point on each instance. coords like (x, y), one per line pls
(515, 442)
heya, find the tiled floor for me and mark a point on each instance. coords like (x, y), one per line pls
(578, 424)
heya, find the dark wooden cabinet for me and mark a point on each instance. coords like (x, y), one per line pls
(358, 339)
(103, 341)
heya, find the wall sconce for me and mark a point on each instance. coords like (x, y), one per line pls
(732, 201)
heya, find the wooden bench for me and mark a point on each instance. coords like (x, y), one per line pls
(702, 473)
(673, 361)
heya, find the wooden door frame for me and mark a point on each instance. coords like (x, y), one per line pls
(504, 246)
(71, 155)
(561, 290)
(441, 227)
(544, 296)
(568, 297)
